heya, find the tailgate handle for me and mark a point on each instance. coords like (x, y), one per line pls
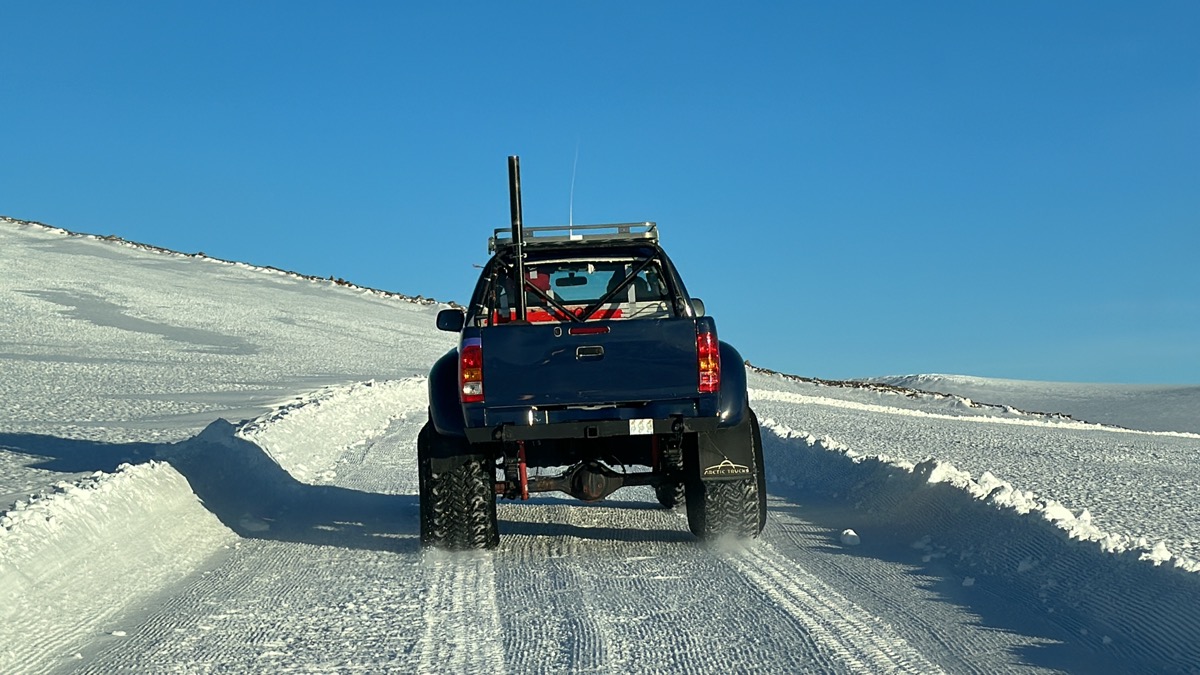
(592, 352)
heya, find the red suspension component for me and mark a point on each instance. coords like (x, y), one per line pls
(708, 356)
(523, 470)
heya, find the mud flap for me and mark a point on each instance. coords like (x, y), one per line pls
(725, 489)
(726, 453)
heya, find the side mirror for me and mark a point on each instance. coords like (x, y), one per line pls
(697, 306)
(452, 319)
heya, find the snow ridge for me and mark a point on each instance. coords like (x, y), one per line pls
(1133, 597)
(992, 490)
(307, 435)
(141, 528)
(150, 525)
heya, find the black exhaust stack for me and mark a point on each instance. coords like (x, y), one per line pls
(518, 231)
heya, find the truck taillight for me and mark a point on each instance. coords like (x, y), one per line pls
(470, 371)
(708, 355)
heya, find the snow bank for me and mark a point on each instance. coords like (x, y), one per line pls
(1124, 594)
(306, 436)
(1001, 494)
(75, 557)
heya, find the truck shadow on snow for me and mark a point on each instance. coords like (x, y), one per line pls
(246, 489)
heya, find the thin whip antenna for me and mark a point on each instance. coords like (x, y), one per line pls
(571, 203)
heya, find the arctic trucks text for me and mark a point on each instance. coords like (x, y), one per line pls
(584, 366)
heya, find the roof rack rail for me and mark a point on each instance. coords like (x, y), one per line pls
(558, 235)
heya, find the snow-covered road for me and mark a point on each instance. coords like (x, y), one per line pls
(327, 576)
(208, 467)
(616, 587)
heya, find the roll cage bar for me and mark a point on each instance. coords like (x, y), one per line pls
(591, 309)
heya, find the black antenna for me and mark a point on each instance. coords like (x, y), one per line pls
(518, 230)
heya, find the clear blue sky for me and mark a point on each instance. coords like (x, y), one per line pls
(1007, 189)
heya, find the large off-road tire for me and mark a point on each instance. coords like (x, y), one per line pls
(731, 507)
(458, 494)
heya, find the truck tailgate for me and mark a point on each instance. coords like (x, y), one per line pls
(591, 363)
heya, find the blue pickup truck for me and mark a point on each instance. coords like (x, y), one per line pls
(583, 366)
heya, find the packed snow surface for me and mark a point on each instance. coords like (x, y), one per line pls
(206, 466)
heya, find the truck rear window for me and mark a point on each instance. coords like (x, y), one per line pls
(576, 286)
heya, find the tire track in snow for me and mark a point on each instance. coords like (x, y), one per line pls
(924, 618)
(860, 641)
(628, 590)
(568, 634)
(462, 622)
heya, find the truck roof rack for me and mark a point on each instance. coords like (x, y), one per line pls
(559, 235)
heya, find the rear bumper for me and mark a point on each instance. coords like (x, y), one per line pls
(590, 429)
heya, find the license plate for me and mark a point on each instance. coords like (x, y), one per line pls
(641, 427)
